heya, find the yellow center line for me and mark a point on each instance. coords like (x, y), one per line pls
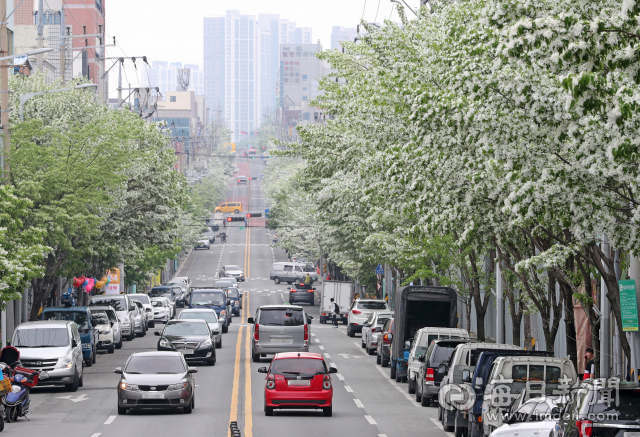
(236, 381)
(248, 417)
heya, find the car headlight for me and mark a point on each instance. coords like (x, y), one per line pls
(86, 345)
(68, 360)
(223, 314)
(206, 343)
(125, 386)
(179, 386)
(236, 303)
(106, 331)
(124, 322)
(165, 343)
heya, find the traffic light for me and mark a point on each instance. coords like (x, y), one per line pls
(235, 219)
(254, 214)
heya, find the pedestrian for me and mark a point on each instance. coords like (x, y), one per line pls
(336, 311)
(224, 237)
(245, 222)
(590, 367)
(328, 276)
(307, 279)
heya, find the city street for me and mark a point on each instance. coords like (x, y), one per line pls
(366, 402)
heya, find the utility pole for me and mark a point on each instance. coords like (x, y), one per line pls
(100, 65)
(40, 38)
(63, 46)
(4, 92)
(605, 320)
(500, 305)
(120, 85)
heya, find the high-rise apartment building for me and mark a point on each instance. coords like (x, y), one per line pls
(164, 75)
(300, 72)
(339, 34)
(214, 65)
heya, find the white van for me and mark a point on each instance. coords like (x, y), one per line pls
(291, 271)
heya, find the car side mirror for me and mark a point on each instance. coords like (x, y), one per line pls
(157, 333)
(333, 370)
(407, 344)
(442, 369)
(509, 419)
(74, 343)
(192, 370)
(262, 370)
(479, 382)
(466, 376)
(112, 323)
(421, 358)
(228, 301)
(118, 370)
(309, 320)
(390, 336)
(132, 308)
(250, 320)
(94, 323)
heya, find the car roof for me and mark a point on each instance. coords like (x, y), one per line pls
(137, 294)
(197, 310)
(371, 300)
(208, 290)
(44, 324)
(102, 308)
(289, 355)
(174, 321)
(69, 309)
(280, 307)
(157, 354)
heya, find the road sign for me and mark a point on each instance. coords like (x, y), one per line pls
(379, 270)
(628, 305)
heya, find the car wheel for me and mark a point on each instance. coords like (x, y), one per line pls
(418, 392)
(132, 336)
(73, 387)
(411, 387)
(378, 359)
(111, 349)
(328, 411)
(119, 344)
(445, 422)
(255, 357)
(81, 381)
(276, 280)
(425, 400)
(384, 362)
(94, 356)
(393, 372)
(439, 414)
(122, 410)
(88, 362)
(236, 211)
(225, 329)
(458, 430)
(350, 331)
(363, 345)
(152, 324)
(219, 345)
(268, 411)
(188, 409)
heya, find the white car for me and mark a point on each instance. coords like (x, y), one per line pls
(360, 311)
(105, 331)
(371, 328)
(232, 271)
(139, 319)
(146, 303)
(209, 316)
(535, 418)
(162, 309)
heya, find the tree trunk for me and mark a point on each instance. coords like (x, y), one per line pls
(528, 339)
(570, 325)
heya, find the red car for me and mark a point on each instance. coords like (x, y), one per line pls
(296, 381)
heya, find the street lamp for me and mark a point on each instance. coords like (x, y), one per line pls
(31, 53)
(25, 97)
(405, 3)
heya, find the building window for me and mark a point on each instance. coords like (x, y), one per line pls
(172, 98)
(304, 90)
(304, 77)
(306, 116)
(284, 54)
(304, 98)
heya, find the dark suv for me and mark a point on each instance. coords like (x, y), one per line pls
(384, 344)
(428, 380)
(599, 409)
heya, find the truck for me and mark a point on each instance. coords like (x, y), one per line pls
(341, 291)
(217, 221)
(416, 307)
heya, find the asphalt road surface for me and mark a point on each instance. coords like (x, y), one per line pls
(366, 403)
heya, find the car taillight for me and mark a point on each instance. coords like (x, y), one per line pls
(385, 338)
(327, 382)
(429, 376)
(256, 333)
(310, 290)
(356, 312)
(584, 427)
(292, 290)
(271, 384)
(306, 332)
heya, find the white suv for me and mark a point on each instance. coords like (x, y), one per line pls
(360, 311)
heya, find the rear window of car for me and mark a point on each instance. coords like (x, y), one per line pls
(372, 306)
(277, 267)
(159, 291)
(441, 354)
(281, 317)
(625, 408)
(117, 302)
(142, 298)
(100, 317)
(382, 320)
(303, 367)
(81, 318)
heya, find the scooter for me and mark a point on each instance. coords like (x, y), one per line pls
(68, 299)
(17, 401)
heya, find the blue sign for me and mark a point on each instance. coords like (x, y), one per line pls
(379, 270)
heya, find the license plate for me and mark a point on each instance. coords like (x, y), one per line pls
(282, 340)
(153, 395)
(307, 383)
(44, 374)
(187, 352)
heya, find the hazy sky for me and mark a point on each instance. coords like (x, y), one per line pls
(171, 30)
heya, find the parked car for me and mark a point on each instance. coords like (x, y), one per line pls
(53, 348)
(464, 358)
(535, 417)
(209, 316)
(360, 310)
(168, 374)
(191, 337)
(601, 409)
(86, 327)
(521, 370)
(202, 244)
(115, 323)
(419, 345)
(162, 309)
(211, 236)
(146, 303)
(298, 380)
(183, 282)
(371, 328)
(384, 343)
(232, 271)
(242, 180)
(105, 331)
(171, 292)
(427, 380)
(139, 319)
(279, 328)
(213, 299)
(125, 310)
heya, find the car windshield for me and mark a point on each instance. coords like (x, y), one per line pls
(626, 408)
(100, 317)
(141, 297)
(157, 303)
(157, 292)
(293, 367)
(50, 337)
(233, 292)
(186, 328)
(207, 316)
(81, 318)
(382, 320)
(441, 354)
(372, 306)
(117, 302)
(155, 364)
(232, 268)
(212, 298)
(281, 317)
(224, 284)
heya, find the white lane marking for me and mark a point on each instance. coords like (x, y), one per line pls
(382, 435)
(340, 377)
(312, 334)
(358, 403)
(110, 420)
(349, 389)
(316, 340)
(370, 420)
(97, 434)
(404, 393)
(327, 355)
(439, 425)
(321, 347)
(332, 364)
(259, 291)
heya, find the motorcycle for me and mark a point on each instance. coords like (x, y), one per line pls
(68, 299)
(17, 401)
